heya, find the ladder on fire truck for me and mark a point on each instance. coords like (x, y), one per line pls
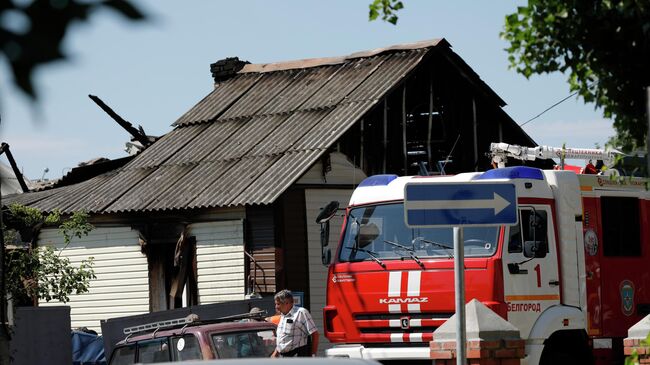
(500, 152)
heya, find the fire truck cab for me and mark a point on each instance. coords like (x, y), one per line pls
(571, 275)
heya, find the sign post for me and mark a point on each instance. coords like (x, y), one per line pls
(458, 205)
(459, 289)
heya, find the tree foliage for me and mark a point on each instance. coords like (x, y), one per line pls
(386, 8)
(602, 46)
(24, 216)
(42, 273)
(32, 32)
(75, 226)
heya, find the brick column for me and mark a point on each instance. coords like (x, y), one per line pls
(491, 340)
(635, 335)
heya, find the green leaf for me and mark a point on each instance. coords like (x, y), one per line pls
(43, 42)
(385, 8)
(512, 19)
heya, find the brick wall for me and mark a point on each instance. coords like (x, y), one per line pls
(494, 352)
(637, 343)
(632, 345)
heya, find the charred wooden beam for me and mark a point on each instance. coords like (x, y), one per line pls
(139, 135)
(4, 148)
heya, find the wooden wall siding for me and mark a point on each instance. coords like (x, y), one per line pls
(260, 227)
(342, 172)
(293, 273)
(315, 199)
(122, 286)
(220, 214)
(220, 260)
(264, 271)
(260, 243)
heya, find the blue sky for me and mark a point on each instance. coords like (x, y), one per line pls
(152, 72)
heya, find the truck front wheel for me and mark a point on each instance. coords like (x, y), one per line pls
(566, 347)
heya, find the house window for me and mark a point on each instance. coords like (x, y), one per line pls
(620, 222)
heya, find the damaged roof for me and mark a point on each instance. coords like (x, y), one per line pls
(250, 139)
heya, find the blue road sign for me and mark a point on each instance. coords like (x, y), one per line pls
(460, 204)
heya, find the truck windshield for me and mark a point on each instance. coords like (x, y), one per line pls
(375, 230)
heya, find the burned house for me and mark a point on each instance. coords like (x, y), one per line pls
(224, 204)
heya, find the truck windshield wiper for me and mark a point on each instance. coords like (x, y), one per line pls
(373, 255)
(436, 244)
(407, 249)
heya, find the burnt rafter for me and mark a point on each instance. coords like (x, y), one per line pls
(4, 148)
(138, 134)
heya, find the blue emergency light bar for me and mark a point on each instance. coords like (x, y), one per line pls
(514, 172)
(378, 180)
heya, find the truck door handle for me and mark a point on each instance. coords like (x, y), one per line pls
(554, 283)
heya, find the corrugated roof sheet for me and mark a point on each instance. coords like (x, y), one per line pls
(248, 140)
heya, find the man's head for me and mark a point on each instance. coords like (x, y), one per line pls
(283, 301)
(257, 314)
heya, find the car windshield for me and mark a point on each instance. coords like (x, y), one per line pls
(244, 344)
(378, 232)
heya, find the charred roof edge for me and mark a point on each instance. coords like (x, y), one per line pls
(327, 61)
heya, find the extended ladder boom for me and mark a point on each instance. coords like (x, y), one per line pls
(500, 152)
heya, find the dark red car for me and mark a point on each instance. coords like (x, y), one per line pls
(192, 339)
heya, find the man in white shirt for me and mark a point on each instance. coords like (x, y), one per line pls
(294, 328)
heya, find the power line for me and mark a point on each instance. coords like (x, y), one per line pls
(547, 109)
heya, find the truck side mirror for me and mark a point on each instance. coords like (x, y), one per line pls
(536, 249)
(324, 242)
(323, 218)
(326, 256)
(537, 226)
(327, 212)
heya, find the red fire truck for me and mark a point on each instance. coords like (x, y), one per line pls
(572, 275)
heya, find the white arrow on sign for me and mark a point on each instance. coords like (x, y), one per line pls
(498, 204)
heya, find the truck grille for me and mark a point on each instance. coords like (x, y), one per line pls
(389, 316)
(395, 330)
(409, 327)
